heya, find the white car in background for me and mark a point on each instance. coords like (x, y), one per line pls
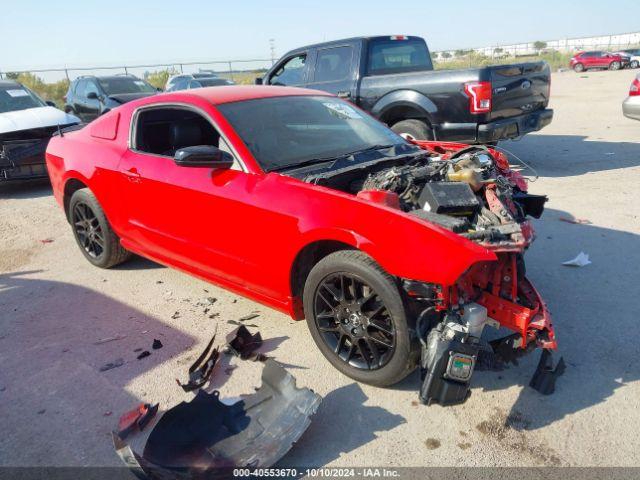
(26, 125)
(196, 80)
(634, 56)
(631, 106)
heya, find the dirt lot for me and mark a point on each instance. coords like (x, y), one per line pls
(57, 408)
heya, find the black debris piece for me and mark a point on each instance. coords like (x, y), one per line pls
(202, 368)
(115, 364)
(175, 315)
(251, 316)
(143, 354)
(544, 379)
(157, 344)
(237, 323)
(206, 438)
(138, 350)
(136, 419)
(244, 344)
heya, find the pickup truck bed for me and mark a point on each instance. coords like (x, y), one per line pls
(393, 79)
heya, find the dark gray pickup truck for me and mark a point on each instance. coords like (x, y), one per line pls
(393, 78)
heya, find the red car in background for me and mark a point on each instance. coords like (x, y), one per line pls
(598, 59)
(392, 250)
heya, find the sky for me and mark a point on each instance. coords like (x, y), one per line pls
(44, 34)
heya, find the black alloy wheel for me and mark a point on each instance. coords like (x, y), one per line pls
(88, 230)
(354, 322)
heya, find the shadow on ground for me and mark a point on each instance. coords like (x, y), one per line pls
(595, 329)
(570, 155)
(25, 189)
(342, 424)
(51, 356)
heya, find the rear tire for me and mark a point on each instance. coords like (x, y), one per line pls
(366, 313)
(578, 67)
(413, 129)
(614, 66)
(95, 237)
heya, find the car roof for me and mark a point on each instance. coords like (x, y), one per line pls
(353, 39)
(9, 83)
(239, 93)
(105, 77)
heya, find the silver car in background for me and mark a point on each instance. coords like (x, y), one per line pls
(631, 106)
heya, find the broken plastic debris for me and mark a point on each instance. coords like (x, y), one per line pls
(109, 339)
(244, 344)
(202, 368)
(580, 261)
(157, 344)
(137, 418)
(144, 354)
(47, 240)
(576, 221)
(115, 364)
(206, 436)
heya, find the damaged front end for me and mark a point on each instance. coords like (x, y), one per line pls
(471, 191)
(22, 153)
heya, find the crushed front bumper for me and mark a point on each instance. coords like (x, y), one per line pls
(23, 159)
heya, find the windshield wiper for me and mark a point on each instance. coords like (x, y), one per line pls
(304, 163)
(314, 161)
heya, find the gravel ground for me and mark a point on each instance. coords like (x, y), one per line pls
(58, 409)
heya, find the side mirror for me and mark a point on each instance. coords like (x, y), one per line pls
(259, 80)
(92, 96)
(50, 103)
(203, 156)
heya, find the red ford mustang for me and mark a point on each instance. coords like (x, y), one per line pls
(395, 252)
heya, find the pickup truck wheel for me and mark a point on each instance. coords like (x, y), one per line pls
(614, 66)
(357, 318)
(97, 241)
(578, 67)
(414, 129)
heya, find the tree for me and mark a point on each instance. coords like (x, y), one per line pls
(445, 55)
(539, 45)
(498, 50)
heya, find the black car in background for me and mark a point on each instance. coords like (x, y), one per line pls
(90, 96)
(393, 78)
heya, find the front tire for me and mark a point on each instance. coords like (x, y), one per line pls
(95, 237)
(413, 129)
(614, 66)
(357, 318)
(634, 64)
(578, 67)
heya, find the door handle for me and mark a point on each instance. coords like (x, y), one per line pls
(344, 94)
(132, 174)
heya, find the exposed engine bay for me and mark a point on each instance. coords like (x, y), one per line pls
(473, 192)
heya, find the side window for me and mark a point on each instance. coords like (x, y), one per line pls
(194, 84)
(90, 87)
(163, 131)
(80, 86)
(290, 72)
(333, 64)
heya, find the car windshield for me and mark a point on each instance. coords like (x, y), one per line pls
(119, 85)
(287, 132)
(17, 97)
(213, 82)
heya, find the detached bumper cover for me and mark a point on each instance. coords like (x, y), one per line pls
(515, 126)
(206, 438)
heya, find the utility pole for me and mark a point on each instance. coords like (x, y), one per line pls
(272, 47)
